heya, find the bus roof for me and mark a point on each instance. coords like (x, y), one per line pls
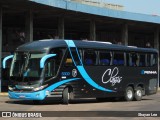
(47, 44)
(42, 45)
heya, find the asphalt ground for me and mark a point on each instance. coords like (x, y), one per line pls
(148, 103)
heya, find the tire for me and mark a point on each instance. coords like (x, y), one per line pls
(138, 94)
(129, 94)
(66, 96)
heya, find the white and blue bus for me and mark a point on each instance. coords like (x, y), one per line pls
(67, 69)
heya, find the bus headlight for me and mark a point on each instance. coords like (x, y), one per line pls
(40, 88)
(10, 88)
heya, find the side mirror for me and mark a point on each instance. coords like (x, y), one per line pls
(6, 59)
(44, 58)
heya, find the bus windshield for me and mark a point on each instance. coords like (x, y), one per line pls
(26, 65)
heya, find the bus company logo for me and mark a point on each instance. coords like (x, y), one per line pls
(148, 72)
(65, 73)
(6, 114)
(111, 76)
(74, 72)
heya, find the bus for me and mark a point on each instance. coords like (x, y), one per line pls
(68, 69)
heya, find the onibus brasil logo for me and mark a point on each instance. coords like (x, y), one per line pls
(111, 76)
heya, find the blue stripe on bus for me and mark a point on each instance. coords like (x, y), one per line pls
(5, 59)
(70, 43)
(90, 81)
(83, 72)
(72, 56)
(79, 57)
(39, 95)
(52, 87)
(44, 58)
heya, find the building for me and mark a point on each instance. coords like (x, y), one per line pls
(23, 21)
(99, 3)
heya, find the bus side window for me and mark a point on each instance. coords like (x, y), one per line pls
(59, 54)
(127, 60)
(118, 58)
(68, 61)
(153, 59)
(148, 60)
(52, 64)
(134, 59)
(104, 58)
(50, 69)
(142, 60)
(89, 57)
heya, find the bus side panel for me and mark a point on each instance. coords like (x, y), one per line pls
(109, 77)
(81, 89)
(117, 78)
(114, 78)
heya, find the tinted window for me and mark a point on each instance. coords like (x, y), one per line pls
(134, 59)
(69, 61)
(50, 68)
(142, 61)
(118, 58)
(52, 64)
(90, 57)
(104, 58)
(154, 59)
(148, 60)
(128, 60)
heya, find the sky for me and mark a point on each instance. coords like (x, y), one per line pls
(151, 7)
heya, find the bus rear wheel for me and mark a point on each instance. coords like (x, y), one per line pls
(129, 93)
(138, 94)
(66, 96)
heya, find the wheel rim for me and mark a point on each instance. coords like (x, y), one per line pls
(129, 94)
(139, 93)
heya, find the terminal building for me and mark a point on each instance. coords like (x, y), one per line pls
(100, 3)
(24, 21)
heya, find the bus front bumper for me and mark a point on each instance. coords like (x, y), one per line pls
(40, 95)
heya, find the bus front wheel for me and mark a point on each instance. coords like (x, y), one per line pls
(129, 93)
(66, 96)
(138, 94)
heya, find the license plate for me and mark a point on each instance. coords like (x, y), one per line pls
(22, 96)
